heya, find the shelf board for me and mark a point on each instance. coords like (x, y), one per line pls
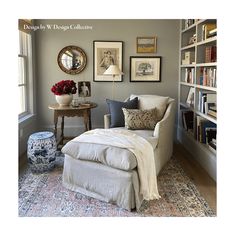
(212, 119)
(209, 40)
(189, 46)
(188, 65)
(206, 64)
(185, 105)
(191, 27)
(206, 87)
(187, 84)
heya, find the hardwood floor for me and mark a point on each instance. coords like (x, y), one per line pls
(204, 183)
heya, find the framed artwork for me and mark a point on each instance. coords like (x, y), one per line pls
(106, 53)
(146, 44)
(84, 89)
(145, 69)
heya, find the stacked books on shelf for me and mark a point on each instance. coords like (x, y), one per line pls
(210, 54)
(188, 23)
(187, 120)
(208, 30)
(189, 58)
(207, 76)
(189, 76)
(206, 101)
(211, 109)
(206, 130)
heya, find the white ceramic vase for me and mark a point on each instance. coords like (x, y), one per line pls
(64, 100)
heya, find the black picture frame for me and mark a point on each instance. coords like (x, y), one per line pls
(114, 51)
(145, 68)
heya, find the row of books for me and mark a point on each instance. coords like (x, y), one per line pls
(206, 100)
(208, 30)
(210, 54)
(211, 109)
(187, 119)
(189, 75)
(206, 130)
(207, 76)
(188, 23)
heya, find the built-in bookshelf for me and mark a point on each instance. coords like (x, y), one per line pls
(197, 105)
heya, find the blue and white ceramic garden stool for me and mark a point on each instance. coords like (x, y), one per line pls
(41, 151)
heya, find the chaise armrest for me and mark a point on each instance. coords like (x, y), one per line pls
(107, 121)
(165, 126)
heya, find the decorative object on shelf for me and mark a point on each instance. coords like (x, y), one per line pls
(106, 53)
(114, 71)
(145, 69)
(72, 59)
(84, 89)
(192, 39)
(190, 98)
(41, 151)
(189, 58)
(64, 91)
(146, 44)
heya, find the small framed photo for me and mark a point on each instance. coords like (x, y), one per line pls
(84, 89)
(106, 53)
(146, 44)
(145, 69)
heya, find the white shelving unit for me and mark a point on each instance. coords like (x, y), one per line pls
(195, 60)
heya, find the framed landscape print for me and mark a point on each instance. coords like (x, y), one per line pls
(145, 69)
(106, 53)
(146, 44)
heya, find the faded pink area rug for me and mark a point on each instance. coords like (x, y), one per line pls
(43, 195)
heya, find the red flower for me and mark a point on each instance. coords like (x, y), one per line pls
(64, 87)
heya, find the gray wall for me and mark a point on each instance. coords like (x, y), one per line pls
(50, 42)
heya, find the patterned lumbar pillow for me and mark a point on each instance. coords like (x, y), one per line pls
(140, 119)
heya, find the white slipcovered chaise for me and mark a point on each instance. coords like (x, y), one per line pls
(110, 173)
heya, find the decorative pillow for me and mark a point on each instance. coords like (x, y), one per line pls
(152, 101)
(140, 119)
(115, 109)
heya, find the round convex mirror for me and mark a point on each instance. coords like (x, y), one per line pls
(72, 60)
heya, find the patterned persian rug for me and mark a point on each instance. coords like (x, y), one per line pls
(44, 195)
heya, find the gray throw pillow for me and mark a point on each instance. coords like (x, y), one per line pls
(115, 109)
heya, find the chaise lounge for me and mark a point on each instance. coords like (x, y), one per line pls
(110, 173)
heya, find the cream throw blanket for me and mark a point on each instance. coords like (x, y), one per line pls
(140, 147)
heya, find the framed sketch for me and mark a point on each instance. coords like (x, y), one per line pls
(106, 53)
(84, 89)
(146, 44)
(145, 69)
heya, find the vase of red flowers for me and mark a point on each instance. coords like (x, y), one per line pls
(64, 91)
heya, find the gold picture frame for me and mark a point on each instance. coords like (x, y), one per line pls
(146, 44)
